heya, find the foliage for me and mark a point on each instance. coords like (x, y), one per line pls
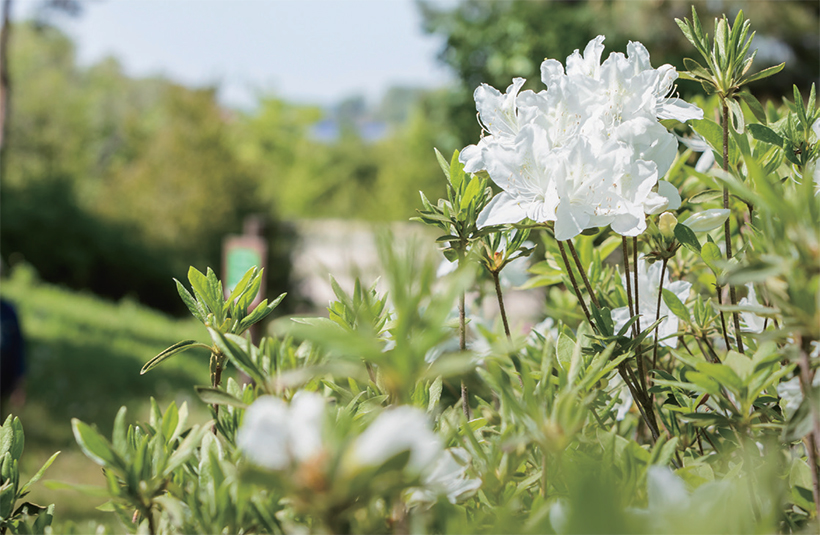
(617, 419)
(493, 42)
(27, 517)
(108, 179)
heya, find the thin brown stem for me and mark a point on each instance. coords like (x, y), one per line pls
(727, 232)
(638, 351)
(625, 246)
(574, 283)
(719, 291)
(501, 304)
(658, 313)
(583, 273)
(462, 345)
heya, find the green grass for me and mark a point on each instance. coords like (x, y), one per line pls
(83, 357)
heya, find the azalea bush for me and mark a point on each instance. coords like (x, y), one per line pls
(670, 386)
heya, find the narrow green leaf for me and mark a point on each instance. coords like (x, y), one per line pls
(754, 105)
(456, 175)
(179, 347)
(739, 121)
(765, 73)
(95, 446)
(36, 477)
(705, 196)
(766, 134)
(443, 164)
(687, 237)
(675, 305)
(215, 396)
(435, 394)
(193, 305)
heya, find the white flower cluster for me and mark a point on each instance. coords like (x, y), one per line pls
(280, 437)
(586, 152)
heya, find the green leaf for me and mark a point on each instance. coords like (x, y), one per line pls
(193, 305)
(765, 73)
(443, 164)
(36, 477)
(96, 447)
(705, 196)
(675, 305)
(723, 374)
(215, 396)
(456, 174)
(179, 347)
(754, 105)
(687, 237)
(713, 134)
(229, 346)
(739, 122)
(696, 69)
(186, 448)
(766, 134)
(710, 253)
(435, 394)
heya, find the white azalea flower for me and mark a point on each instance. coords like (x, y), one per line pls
(396, 430)
(275, 435)
(586, 152)
(752, 321)
(649, 277)
(447, 477)
(707, 220)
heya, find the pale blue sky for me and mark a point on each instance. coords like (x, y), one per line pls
(317, 51)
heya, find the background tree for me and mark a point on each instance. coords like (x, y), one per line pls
(492, 42)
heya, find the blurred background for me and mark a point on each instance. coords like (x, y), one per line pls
(137, 135)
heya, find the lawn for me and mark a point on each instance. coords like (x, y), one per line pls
(83, 357)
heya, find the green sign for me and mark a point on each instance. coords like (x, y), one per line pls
(239, 261)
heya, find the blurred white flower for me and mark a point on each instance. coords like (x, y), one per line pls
(707, 220)
(649, 277)
(791, 394)
(275, 435)
(396, 430)
(752, 321)
(620, 391)
(545, 328)
(698, 144)
(447, 477)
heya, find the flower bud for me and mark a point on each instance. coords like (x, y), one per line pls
(666, 224)
(707, 220)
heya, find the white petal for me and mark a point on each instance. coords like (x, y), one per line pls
(629, 224)
(307, 410)
(675, 108)
(706, 161)
(655, 204)
(263, 437)
(394, 431)
(502, 209)
(570, 221)
(471, 157)
(669, 191)
(551, 72)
